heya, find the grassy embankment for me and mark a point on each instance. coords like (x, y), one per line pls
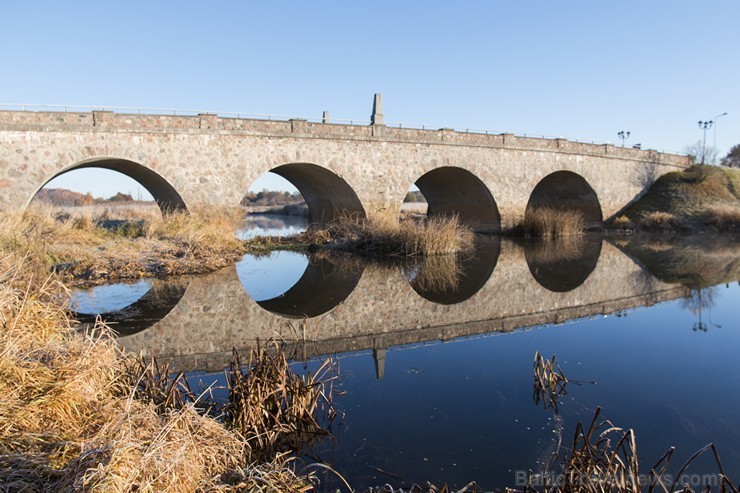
(701, 198)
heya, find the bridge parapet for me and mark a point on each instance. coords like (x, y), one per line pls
(123, 122)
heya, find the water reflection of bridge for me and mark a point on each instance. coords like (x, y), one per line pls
(506, 286)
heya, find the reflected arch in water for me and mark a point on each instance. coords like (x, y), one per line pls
(456, 191)
(153, 306)
(449, 279)
(564, 263)
(323, 285)
(162, 191)
(566, 191)
(327, 195)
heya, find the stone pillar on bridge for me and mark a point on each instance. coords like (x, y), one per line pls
(377, 117)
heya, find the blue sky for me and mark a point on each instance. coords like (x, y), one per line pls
(577, 69)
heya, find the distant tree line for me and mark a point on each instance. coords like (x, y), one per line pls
(270, 198)
(415, 197)
(732, 159)
(61, 197)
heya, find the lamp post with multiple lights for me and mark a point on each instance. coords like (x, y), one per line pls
(623, 135)
(704, 126)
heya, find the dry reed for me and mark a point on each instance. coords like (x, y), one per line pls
(273, 408)
(88, 249)
(545, 222)
(549, 382)
(603, 458)
(663, 222)
(385, 235)
(71, 420)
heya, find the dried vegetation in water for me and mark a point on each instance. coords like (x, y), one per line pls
(546, 222)
(549, 382)
(385, 235)
(78, 415)
(603, 457)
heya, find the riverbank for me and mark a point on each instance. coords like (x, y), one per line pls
(124, 437)
(93, 246)
(78, 414)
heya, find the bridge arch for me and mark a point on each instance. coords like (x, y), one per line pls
(451, 191)
(327, 194)
(566, 190)
(167, 198)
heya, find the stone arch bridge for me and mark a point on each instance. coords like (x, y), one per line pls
(185, 161)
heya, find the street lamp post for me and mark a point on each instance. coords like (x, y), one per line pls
(704, 126)
(623, 135)
(715, 129)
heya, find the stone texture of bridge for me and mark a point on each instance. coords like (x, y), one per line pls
(185, 161)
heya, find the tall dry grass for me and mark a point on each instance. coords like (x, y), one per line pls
(545, 222)
(385, 235)
(658, 221)
(273, 408)
(88, 248)
(73, 416)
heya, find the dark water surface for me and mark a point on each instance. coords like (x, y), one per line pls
(435, 357)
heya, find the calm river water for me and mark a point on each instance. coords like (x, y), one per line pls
(436, 357)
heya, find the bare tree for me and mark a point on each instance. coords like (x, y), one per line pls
(707, 154)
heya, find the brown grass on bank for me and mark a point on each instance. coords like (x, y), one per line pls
(71, 420)
(663, 222)
(545, 222)
(88, 249)
(385, 235)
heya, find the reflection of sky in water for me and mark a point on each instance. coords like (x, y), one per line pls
(271, 225)
(463, 410)
(268, 276)
(108, 298)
